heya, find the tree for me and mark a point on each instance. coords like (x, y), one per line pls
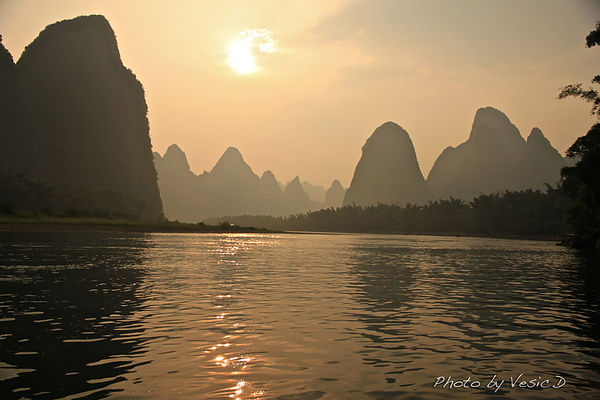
(581, 181)
(576, 90)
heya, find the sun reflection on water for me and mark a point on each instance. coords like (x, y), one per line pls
(223, 355)
(238, 391)
(229, 353)
(236, 363)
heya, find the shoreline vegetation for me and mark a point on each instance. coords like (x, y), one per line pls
(525, 214)
(560, 240)
(47, 223)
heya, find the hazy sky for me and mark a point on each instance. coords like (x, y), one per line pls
(335, 70)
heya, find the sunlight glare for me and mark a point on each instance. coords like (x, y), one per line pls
(243, 51)
(240, 58)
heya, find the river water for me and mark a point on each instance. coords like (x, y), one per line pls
(295, 316)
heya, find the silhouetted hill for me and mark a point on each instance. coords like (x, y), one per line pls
(388, 171)
(335, 195)
(271, 195)
(543, 162)
(79, 121)
(175, 160)
(231, 166)
(269, 183)
(177, 183)
(295, 197)
(494, 158)
(316, 193)
(229, 188)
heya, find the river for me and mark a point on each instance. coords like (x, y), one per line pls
(295, 316)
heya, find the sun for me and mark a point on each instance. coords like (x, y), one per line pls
(241, 59)
(242, 52)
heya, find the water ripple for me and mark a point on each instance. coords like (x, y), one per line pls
(292, 316)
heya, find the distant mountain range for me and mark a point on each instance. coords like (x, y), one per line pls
(494, 158)
(74, 135)
(232, 188)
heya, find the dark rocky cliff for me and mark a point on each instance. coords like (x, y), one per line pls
(80, 122)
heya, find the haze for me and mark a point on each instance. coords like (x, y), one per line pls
(339, 70)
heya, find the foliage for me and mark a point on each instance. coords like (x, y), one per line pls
(581, 182)
(528, 212)
(590, 95)
(19, 193)
(593, 38)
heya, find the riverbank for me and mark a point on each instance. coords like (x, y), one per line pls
(541, 237)
(83, 224)
(90, 224)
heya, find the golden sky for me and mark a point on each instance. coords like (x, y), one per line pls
(336, 70)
